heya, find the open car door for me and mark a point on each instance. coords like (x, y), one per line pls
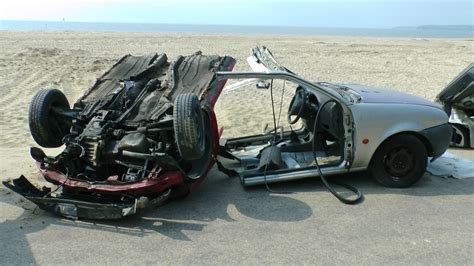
(458, 100)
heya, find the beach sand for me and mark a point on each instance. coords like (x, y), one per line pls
(70, 61)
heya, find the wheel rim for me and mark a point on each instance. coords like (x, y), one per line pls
(399, 162)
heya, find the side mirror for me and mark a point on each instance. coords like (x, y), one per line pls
(261, 84)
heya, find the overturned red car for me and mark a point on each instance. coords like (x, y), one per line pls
(144, 133)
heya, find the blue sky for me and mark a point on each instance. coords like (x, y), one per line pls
(310, 13)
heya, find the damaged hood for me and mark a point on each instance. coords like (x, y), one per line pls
(459, 93)
(380, 95)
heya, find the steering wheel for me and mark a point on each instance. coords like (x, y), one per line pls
(299, 98)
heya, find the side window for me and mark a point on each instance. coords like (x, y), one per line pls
(247, 110)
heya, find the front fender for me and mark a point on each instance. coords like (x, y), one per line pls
(378, 122)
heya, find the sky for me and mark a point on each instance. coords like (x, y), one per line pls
(301, 13)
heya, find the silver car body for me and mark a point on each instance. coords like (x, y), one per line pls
(385, 115)
(371, 116)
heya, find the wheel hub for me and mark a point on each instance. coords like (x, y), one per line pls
(399, 162)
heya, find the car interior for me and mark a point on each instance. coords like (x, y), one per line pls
(286, 150)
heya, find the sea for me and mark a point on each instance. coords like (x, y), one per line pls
(426, 31)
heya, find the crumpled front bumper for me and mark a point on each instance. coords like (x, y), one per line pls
(74, 209)
(439, 138)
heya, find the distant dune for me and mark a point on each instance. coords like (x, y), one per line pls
(438, 27)
(446, 27)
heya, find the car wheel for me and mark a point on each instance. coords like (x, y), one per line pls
(46, 127)
(399, 162)
(189, 126)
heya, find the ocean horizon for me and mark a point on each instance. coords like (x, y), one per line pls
(423, 31)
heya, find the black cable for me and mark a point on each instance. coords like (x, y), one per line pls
(281, 104)
(273, 110)
(275, 134)
(57, 188)
(61, 184)
(323, 179)
(359, 194)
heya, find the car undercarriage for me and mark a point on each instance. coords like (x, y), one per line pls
(127, 118)
(142, 133)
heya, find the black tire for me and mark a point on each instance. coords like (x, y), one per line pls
(46, 128)
(399, 161)
(189, 126)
